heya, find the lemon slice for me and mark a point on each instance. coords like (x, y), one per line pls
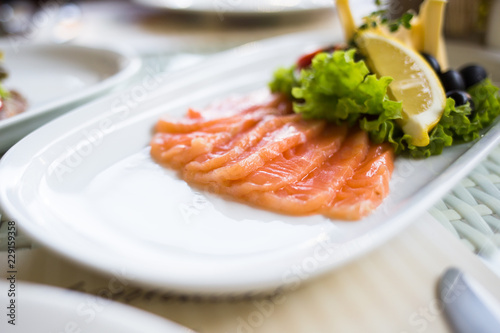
(415, 83)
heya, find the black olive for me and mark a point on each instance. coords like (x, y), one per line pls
(433, 62)
(473, 74)
(358, 57)
(460, 97)
(452, 80)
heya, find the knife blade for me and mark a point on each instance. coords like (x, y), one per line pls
(468, 305)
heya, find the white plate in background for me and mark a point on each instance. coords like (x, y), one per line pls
(40, 308)
(85, 186)
(239, 7)
(55, 77)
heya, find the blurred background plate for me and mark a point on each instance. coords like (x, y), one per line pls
(54, 78)
(240, 7)
(39, 308)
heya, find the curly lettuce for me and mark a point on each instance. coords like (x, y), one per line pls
(283, 81)
(341, 90)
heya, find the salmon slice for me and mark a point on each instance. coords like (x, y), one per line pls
(367, 188)
(184, 126)
(321, 185)
(292, 165)
(167, 141)
(215, 117)
(241, 104)
(176, 149)
(271, 146)
(227, 153)
(179, 154)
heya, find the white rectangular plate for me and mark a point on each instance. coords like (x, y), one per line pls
(85, 186)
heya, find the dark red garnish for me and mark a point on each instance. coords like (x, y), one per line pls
(305, 60)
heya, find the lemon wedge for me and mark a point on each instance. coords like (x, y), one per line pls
(415, 82)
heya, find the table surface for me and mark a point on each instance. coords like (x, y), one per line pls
(392, 289)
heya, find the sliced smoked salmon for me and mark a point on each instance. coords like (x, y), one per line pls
(224, 112)
(272, 145)
(226, 153)
(369, 185)
(177, 149)
(293, 165)
(255, 150)
(319, 187)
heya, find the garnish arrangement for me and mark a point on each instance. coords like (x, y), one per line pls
(322, 140)
(393, 80)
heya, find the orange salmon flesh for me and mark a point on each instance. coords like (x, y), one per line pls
(255, 150)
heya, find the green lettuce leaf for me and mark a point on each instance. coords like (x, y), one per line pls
(487, 107)
(283, 81)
